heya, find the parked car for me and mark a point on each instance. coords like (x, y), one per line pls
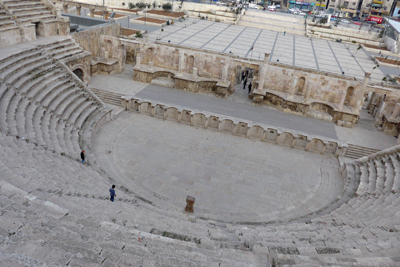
(355, 19)
(345, 21)
(334, 19)
(375, 18)
(254, 6)
(302, 13)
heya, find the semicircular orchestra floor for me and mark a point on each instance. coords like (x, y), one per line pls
(233, 179)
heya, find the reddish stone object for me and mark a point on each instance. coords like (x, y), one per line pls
(189, 204)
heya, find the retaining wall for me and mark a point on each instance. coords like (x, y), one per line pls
(227, 125)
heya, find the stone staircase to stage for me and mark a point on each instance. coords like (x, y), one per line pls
(108, 97)
(356, 152)
(40, 101)
(29, 11)
(6, 21)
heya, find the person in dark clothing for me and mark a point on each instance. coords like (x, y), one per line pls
(244, 83)
(249, 88)
(83, 156)
(243, 76)
(112, 193)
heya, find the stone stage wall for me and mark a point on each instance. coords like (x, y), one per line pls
(239, 128)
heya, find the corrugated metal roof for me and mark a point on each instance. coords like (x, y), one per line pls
(395, 24)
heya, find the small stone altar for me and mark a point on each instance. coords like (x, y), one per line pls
(189, 204)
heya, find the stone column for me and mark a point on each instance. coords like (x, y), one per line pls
(78, 10)
(360, 98)
(194, 72)
(65, 8)
(138, 59)
(263, 72)
(181, 61)
(92, 12)
(105, 14)
(292, 88)
(342, 99)
(379, 114)
(307, 91)
(225, 69)
(396, 111)
(370, 97)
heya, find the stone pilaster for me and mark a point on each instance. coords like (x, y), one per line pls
(292, 88)
(225, 69)
(138, 58)
(181, 66)
(342, 99)
(263, 72)
(396, 111)
(360, 95)
(307, 91)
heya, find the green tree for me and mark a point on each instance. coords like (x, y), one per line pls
(167, 6)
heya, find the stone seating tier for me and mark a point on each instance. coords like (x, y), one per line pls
(380, 175)
(57, 210)
(29, 11)
(41, 101)
(53, 188)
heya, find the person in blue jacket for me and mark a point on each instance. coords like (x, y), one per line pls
(112, 193)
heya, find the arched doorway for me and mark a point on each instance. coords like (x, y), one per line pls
(79, 72)
(189, 64)
(349, 96)
(148, 57)
(300, 86)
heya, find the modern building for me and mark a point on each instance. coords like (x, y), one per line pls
(375, 7)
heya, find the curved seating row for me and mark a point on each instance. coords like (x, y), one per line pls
(59, 209)
(29, 11)
(42, 102)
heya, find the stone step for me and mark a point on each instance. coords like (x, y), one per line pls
(12, 75)
(5, 17)
(77, 112)
(108, 97)
(9, 63)
(15, 5)
(355, 152)
(30, 9)
(55, 100)
(34, 19)
(69, 104)
(59, 45)
(33, 15)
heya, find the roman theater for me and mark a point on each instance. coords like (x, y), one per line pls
(299, 166)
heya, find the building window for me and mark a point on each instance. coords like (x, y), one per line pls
(346, 3)
(354, 3)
